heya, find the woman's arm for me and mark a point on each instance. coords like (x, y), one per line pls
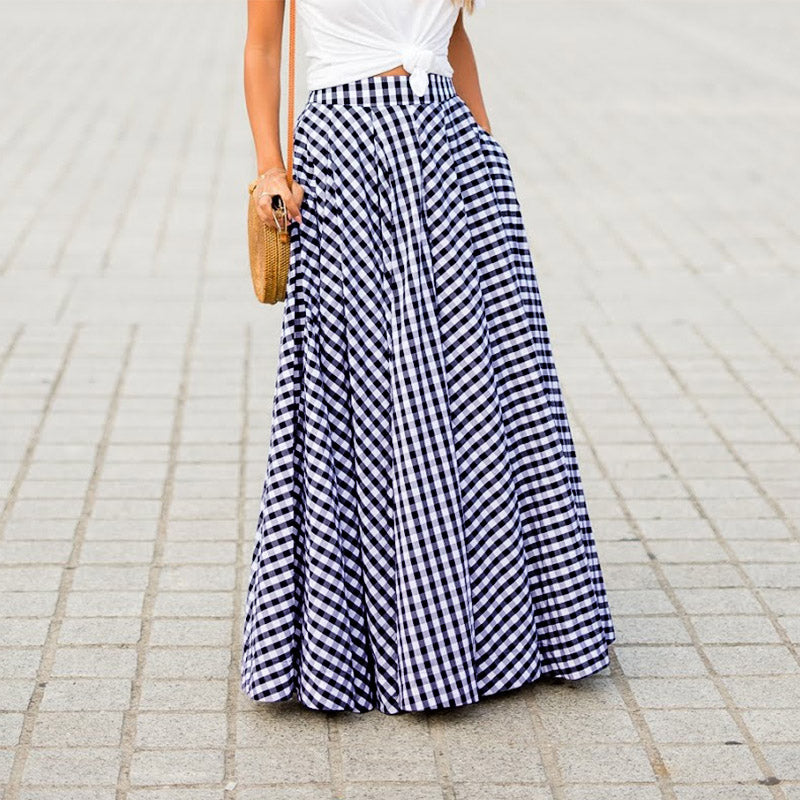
(465, 72)
(262, 90)
(262, 86)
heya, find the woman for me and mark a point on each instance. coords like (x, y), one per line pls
(423, 539)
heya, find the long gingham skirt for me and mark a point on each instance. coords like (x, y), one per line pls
(423, 538)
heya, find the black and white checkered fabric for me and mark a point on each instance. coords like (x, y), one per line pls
(423, 539)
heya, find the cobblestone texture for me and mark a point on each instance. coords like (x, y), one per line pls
(656, 151)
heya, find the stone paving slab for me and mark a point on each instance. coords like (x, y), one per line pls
(655, 150)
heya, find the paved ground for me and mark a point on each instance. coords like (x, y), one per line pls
(656, 150)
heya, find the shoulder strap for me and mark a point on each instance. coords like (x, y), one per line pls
(290, 99)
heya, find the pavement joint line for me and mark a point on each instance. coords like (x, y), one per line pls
(545, 748)
(733, 452)
(65, 301)
(618, 677)
(786, 363)
(733, 559)
(338, 780)
(577, 242)
(780, 357)
(652, 224)
(757, 399)
(67, 106)
(719, 43)
(130, 717)
(93, 118)
(172, 194)
(698, 645)
(660, 771)
(33, 441)
(16, 66)
(611, 179)
(441, 755)
(583, 248)
(94, 183)
(237, 621)
(50, 645)
(556, 121)
(149, 145)
(9, 351)
(719, 243)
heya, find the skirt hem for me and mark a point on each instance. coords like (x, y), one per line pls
(293, 697)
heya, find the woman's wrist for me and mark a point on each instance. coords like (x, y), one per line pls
(271, 171)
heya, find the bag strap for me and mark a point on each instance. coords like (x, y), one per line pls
(290, 99)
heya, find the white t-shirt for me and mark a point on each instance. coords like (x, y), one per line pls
(350, 39)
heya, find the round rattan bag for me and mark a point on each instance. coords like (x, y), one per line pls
(269, 250)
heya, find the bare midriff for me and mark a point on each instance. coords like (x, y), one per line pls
(394, 71)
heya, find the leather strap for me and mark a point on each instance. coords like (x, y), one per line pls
(290, 99)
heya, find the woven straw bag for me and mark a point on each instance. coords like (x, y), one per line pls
(270, 247)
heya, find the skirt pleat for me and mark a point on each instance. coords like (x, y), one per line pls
(423, 538)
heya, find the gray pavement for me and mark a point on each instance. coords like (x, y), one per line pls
(656, 148)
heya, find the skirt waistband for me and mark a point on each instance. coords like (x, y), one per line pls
(381, 90)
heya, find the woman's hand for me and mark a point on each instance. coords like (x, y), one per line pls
(274, 182)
